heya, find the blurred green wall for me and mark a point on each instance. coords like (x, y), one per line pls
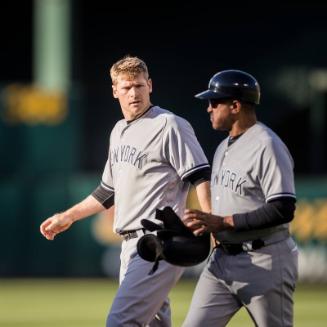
(40, 149)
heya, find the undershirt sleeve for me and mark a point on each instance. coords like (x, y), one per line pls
(105, 196)
(275, 212)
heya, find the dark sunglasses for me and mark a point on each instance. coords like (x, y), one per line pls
(214, 102)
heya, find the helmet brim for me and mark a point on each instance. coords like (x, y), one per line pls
(208, 94)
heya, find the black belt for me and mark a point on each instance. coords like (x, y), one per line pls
(129, 234)
(236, 248)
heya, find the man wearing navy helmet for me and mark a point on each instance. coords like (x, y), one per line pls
(253, 200)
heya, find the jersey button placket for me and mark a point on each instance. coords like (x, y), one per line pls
(225, 157)
(122, 134)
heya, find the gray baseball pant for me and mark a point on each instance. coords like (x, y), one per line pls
(142, 299)
(263, 281)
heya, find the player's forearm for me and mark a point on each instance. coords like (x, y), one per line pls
(88, 207)
(204, 195)
(274, 213)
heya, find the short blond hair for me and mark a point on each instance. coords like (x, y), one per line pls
(130, 66)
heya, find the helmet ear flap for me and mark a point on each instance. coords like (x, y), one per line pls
(150, 248)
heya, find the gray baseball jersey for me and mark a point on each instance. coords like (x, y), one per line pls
(252, 171)
(148, 160)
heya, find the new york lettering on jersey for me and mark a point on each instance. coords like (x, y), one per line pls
(230, 179)
(128, 154)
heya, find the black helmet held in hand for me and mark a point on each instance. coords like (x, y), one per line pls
(173, 242)
(232, 84)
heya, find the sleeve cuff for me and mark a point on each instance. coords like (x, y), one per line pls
(104, 196)
(197, 174)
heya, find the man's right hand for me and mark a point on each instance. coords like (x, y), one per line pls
(200, 222)
(54, 225)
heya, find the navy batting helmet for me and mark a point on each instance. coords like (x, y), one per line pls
(232, 84)
(174, 242)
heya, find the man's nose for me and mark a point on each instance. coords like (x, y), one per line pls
(132, 91)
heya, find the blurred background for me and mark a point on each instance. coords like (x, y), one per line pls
(57, 110)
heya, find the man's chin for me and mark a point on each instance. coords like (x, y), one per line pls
(215, 126)
(219, 128)
(137, 107)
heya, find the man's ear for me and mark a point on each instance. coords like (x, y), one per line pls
(114, 91)
(150, 84)
(235, 106)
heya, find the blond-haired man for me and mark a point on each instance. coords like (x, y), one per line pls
(154, 157)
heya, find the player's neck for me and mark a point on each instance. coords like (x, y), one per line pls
(131, 116)
(241, 125)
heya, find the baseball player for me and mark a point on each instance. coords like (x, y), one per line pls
(153, 158)
(254, 263)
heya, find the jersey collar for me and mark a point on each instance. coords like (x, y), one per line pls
(146, 111)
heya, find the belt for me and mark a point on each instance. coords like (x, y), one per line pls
(236, 248)
(129, 234)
